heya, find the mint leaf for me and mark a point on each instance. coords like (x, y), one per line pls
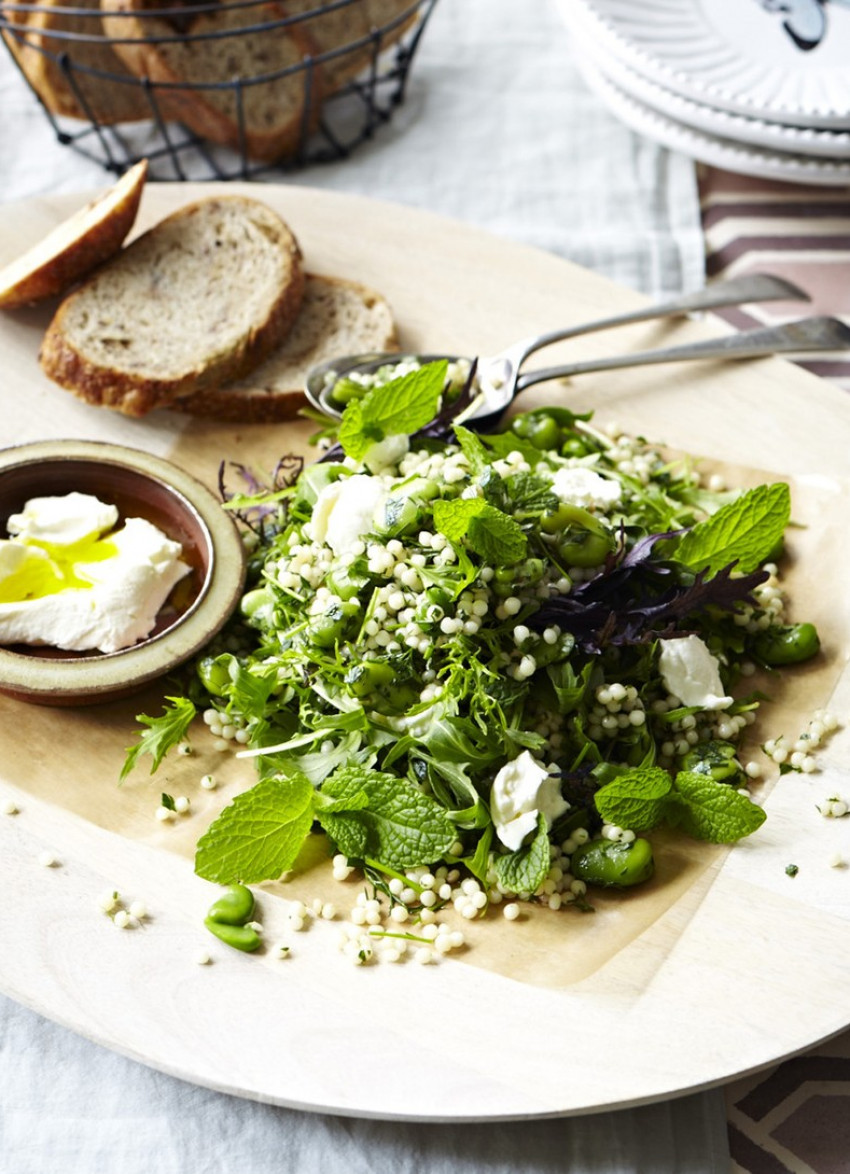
(472, 447)
(400, 828)
(636, 799)
(479, 863)
(491, 534)
(356, 433)
(744, 531)
(399, 407)
(531, 494)
(162, 733)
(259, 835)
(524, 871)
(708, 810)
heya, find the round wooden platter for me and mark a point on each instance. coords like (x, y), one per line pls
(722, 966)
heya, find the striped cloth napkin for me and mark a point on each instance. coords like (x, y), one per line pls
(802, 233)
(794, 1118)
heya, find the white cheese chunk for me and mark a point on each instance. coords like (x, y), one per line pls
(583, 487)
(691, 673)
(522, 790)
(62, 520)
(344, 511)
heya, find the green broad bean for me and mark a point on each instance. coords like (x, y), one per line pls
(233, 907)
(240, 937)
(787, 644)
(613, 863)
(368, 677)
(345, 390)
(583, 549)
(346, 583)
(716, 759)
(398, 515)
(531, 570)
(214, 674)
(255, 602)
(325, 630)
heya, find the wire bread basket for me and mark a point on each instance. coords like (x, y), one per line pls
(215, 89)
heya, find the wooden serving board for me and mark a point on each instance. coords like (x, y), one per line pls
(723, 965)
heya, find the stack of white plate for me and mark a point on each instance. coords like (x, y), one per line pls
(760, 87)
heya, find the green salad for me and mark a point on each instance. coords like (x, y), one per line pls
(503, 657)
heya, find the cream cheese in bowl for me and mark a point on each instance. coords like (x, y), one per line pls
(71, 577)
(117, 568)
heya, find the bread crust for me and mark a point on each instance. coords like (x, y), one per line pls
(106, 99)
(75, 247)
(213, 114)
(135, 393)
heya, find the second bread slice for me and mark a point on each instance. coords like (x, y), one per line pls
(200, 298)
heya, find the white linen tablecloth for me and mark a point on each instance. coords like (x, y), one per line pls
(497, 130)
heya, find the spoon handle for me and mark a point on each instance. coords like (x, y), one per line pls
(809, 334)
(758, 287)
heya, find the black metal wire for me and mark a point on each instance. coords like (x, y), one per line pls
(347, 116)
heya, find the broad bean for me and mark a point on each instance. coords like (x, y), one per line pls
(613, 863)
(787, 644)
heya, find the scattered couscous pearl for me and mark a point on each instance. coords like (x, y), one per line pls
(139, 910)
(182, 805)
(837, 861)
(164, 814)
(108, 901)
(184, 749)
(11, 808)
(47, 860)
(122, 919)
(208, 782)
(511, 912)
(282, 950)
(202, 958)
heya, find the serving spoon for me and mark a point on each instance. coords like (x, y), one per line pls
(499, 375)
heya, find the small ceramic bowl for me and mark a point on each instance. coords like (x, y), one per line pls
(139, 485)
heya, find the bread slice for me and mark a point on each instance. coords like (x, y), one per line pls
(76, 246)
(199, 299)
(337, 318)
(263, 118)
(381, 13)
(334, 30)
(108, 92)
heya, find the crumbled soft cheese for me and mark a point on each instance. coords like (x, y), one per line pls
(384, 453)
(62, 520)
(691, 673)
(522, 790)
(582, 486)
(118, 609)
(344, 511)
